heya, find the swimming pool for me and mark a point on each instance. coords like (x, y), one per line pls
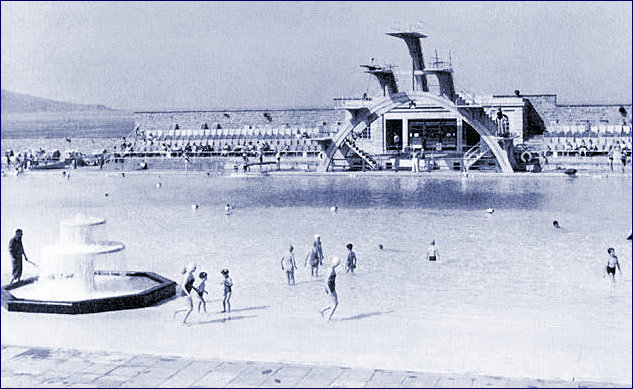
(510, 294)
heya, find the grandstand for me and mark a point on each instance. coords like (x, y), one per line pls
(232, 132)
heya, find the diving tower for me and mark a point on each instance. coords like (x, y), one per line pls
(418, 102)
(412, 40)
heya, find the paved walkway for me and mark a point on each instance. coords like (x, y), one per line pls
(44, 367)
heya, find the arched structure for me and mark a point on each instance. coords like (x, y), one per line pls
(363, 117)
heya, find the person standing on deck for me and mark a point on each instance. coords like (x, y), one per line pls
(278, 158)
(17, 252)
(415, 162)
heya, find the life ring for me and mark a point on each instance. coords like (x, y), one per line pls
(526, 156)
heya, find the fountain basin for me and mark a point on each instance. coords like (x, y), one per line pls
(114, 290)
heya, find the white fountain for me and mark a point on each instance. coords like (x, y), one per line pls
(77, 276)
(68, 268)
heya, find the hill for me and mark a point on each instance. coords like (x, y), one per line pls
(25, 116)
(20, 103)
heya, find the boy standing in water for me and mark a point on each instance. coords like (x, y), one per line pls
(612, 263)
(228, 284)
(351, 259)
(201, 290)
(289, 265)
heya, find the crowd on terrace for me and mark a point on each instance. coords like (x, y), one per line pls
(586, 146)
(221, 142)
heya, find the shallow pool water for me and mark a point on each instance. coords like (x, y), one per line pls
(508, 269)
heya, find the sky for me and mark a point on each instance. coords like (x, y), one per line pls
(231, 55)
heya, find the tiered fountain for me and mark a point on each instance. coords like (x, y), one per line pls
(69, 283)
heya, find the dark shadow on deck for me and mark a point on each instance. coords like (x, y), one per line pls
(365, 315)
(225, 319)
(250, 308)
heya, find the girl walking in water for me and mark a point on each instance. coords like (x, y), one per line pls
(330, 288)
(187, 286)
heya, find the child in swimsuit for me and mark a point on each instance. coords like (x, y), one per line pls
(228, 284)
(330, 288)
(351, 259)
(612, 263)
(200, 288)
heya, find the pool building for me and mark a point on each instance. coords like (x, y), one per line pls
(447, 127)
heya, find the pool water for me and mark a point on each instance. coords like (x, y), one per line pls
(508, 287)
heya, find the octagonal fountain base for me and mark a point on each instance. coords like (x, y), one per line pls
(133, 290)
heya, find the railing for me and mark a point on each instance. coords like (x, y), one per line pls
(360, 153)
(466, 96)
(352, 102)
(475, 154)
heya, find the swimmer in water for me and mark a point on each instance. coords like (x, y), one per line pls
(612, 264)
(334, 209)
(556, 225)
(330, 288)
(432, 253)
(227, 209)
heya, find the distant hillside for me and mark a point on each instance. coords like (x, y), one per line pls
(19, 103)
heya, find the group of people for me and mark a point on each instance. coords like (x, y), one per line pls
(315, 257)
(189, 285)
(612, 261)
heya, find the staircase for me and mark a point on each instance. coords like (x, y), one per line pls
(473, 155)
(364, 156)
(489, 120)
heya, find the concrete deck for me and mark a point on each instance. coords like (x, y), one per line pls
(48, 367)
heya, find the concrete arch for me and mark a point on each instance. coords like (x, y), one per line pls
(385, 104)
